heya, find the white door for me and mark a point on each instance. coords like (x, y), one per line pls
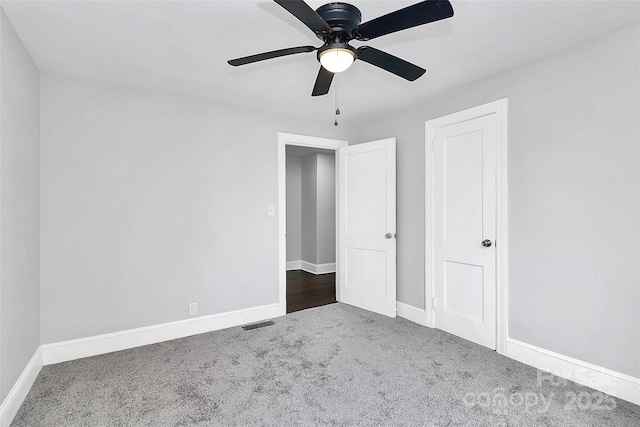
(465, 229)
(367, 226)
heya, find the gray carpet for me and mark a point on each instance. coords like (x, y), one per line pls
(332, 365)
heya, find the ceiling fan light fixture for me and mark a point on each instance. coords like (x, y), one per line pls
(338, 23)
(337, 59)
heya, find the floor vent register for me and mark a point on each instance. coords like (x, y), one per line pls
(258, 325)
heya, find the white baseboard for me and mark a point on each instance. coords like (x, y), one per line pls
(17, 394)
(107, 343)
(312, 268)
(411, 313)
(294, 265)
(318, 268)
(605, 380)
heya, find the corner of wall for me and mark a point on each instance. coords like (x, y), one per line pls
(19, 210)
(11, 404)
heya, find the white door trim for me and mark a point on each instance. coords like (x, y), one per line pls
(285, 139)
(500, 109)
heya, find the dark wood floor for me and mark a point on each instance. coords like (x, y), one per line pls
(306, 290)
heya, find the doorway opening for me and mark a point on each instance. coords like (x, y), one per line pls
(307, 221)
(310, 227)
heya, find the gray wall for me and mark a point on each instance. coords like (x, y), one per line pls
(574, 216)
(150, 202)
(309, 187)
(326, 208)
(294, 206)
(19, 208)
(318, 207)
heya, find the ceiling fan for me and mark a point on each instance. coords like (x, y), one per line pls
(338, 23)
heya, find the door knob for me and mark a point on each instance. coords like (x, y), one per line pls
(486, 243)
(390, 236)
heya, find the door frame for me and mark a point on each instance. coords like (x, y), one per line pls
(285, 139)
(500, 109)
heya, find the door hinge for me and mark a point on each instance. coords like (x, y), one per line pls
(433, 302)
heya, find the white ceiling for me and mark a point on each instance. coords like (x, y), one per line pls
(182, 47)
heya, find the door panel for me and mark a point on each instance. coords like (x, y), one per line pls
(463, 188)
(465, 215)
(464, 290)
(366, 171)
(361, 277)
(367, 212)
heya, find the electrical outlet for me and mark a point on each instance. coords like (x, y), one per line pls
(193, 309)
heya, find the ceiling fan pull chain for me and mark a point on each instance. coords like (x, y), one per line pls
(335, 102)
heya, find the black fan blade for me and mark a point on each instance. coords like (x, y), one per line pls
(306, 15)
(270, 55)
(391, 63)
(412, 16)
(323, 82)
